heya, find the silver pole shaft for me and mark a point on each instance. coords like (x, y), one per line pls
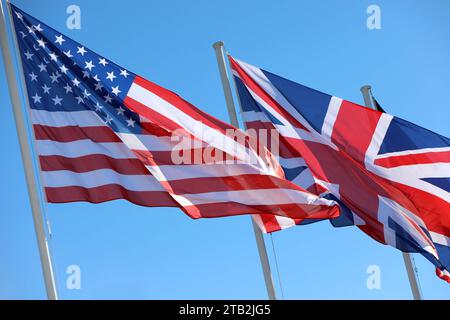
(25, 148)
(407, 258)
(413, 281)
(220, 55)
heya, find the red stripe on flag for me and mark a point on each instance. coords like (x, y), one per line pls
(442, 275)
(348, 133)
(223, 209)
(73, 133)
(108, 193)
(411, 159)
(230, 183)
(185, 156)
(154, 129)
(91, 163)
(270, 223)
(316, 189)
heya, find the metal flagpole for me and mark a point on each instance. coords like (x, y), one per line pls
(407, 258)
(220, 55)
(25, 148)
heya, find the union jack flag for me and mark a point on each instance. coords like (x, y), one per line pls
(104, 133)
(392, 177)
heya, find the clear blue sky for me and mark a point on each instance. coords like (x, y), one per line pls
(127, 251)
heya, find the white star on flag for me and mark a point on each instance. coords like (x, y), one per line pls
(111, 76)
(30, 30)
(120, 111)
(89, 65)
(46, 89)
(42, 67)
(79, 100)
(63, 69)
(103, 61)
(19, 16)
(36, 98)
(38, 28)
(53, 56)
(86, 94)
(57, 100)
(107, 98)
(108, 119)
(29, 55)
(130, 122)
(98, 107)
(68, 54)
(59, 40)
(41, 43)
(33, 76)
(55, 77)
(81, 50)
(68, 88)
(98, 87)
(75, 82)
(116, 90)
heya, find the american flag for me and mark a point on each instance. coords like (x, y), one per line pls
(392, 177)
(104, 133)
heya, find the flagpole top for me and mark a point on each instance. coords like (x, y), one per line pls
(366, 88)
(218, 44)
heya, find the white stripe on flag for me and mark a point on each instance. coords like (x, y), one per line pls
(64, 119)
(330, 118)
(289, 163)
(440, 238)
(188, 171)
(81, 148)
(96, 178)
(259, 197)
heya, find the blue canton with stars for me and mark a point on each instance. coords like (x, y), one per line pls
(63, 75)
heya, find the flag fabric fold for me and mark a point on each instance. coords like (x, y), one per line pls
(391, 177)
(104, 133)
